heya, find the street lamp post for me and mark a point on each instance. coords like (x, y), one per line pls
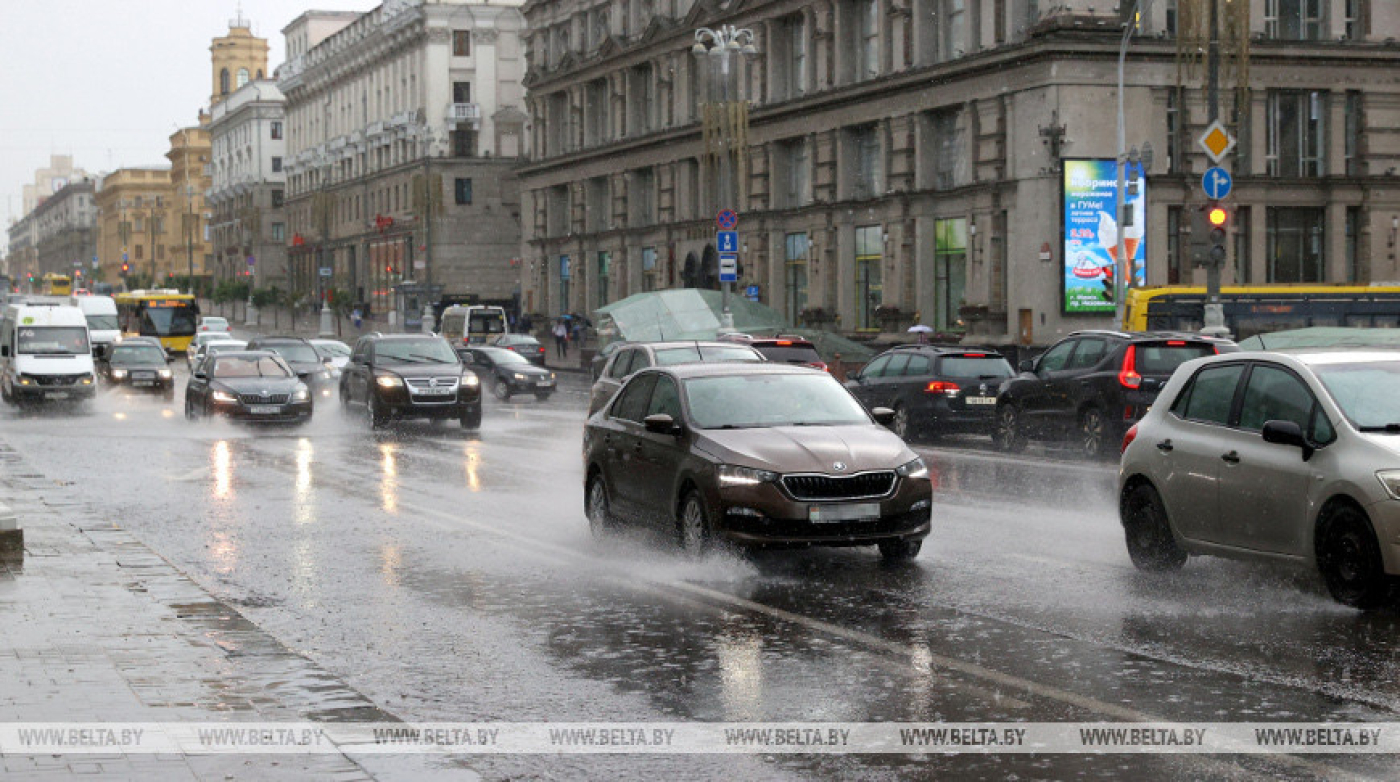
(726, 121)
(1123, 266)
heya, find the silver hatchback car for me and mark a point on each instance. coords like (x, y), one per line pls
(1291, 456)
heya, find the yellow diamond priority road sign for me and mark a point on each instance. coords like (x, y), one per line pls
(1216, 141)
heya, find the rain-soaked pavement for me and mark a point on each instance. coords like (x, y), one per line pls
(449, 575)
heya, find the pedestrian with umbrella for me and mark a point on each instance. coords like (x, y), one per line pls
(923, 332)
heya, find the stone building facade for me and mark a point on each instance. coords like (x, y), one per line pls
(134, 213)
(905, 156)
(65, 232)
(403, 127)
(248, 183)
(189, 181)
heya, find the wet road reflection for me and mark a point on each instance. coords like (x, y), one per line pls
(450, 575)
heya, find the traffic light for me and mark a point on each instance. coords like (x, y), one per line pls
(1218, 217)
(126, 267)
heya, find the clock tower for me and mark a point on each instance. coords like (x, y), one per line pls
(238, 58)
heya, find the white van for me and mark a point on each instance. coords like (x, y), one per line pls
(472, 324)
(101, 314)
(45, 353)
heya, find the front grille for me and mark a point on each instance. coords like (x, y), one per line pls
(426, 382)
(56, 380)
(843, 487)
(263, 399)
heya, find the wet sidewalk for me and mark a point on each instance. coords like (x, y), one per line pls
(97, 627)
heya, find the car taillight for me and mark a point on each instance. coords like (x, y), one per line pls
(1129, 376)
(1128, 438)
(784, 343)
(941, 387)
(819, 365)
(1176, 343)
(974, 355)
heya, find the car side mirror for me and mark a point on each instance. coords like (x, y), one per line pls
(1026, 365)
(883, 416)
(1288, 433)
(661, 424)
(853, 375)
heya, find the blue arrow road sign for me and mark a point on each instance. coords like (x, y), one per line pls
(1217, 183)
(727, 241)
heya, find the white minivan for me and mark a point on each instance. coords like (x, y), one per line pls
(45, 354)
(103, 329)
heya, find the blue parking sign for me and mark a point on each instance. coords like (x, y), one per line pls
(727, 241)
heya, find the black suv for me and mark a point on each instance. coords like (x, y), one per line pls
(409, 376)
(933, 389)
(1092, 385)
(302, 357)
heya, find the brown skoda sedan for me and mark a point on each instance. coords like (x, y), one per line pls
(753, 455)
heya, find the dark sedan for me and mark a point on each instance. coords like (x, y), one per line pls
(247, 386)
(753, 455)
(140, 367)
(524, 344)
(932, 389)
(507, 372)
(304, 360)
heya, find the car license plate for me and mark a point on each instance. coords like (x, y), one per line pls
(264, 409)
(143, 382)
(981, 400)
(435, 391)
(58, 395)
(846, 512)
(545, 383)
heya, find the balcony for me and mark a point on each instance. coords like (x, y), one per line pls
(458, 113)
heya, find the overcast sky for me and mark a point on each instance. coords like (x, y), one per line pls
(108, 82)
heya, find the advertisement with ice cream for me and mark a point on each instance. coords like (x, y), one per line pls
(1093, 238)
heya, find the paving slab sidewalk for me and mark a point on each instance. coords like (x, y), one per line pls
(98, 627)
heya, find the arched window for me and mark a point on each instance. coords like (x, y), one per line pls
(260, 74)
(223, 82)
(242, 76)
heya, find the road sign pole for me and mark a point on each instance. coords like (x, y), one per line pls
(1214, 314)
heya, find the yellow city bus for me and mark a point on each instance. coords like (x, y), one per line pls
(166, 314)
(56, 284)
(1264, 309)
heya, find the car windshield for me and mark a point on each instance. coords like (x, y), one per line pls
(331, 349)
(766, 400)
(59, 340)
(299, 352)
(102, 322)
(1163, 358)
(414, 351)
(250, 366)
(505, 357)
(710, 354)
(214, 323)
(137, 355)
(225, 347)
(1365, 391)
(218, 336)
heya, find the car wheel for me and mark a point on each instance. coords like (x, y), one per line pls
(373, 414)
(900, 550)
(5, 393)
(1094, 438)
(901, 426)
(189, 409)
(600, 520)
(471, 418)
(1151, 545)
(1007, 435)
(695, 536)
(1349, 559)
(502, 390)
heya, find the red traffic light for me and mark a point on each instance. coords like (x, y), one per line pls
(1217, 216)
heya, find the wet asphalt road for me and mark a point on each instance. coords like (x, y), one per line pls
(450, 575)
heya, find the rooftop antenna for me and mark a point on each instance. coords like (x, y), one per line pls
(240, 20)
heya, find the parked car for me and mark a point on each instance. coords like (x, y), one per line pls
(334, 351)
(753, 455)
(205, 337)
(640, 355)
(508, 372)
(409, 376)
(524, 344)
(1291, 456)
(216, 346)
(782, 349)
(138, 366)
(211, 323)
(1092, 385)
(302, 357)
(254, 386)
(933, 389)
(600, 359)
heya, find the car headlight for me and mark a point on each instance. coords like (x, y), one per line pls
(1390, 479)
(389, 381)
(551, 375)
(519, 376)
(323, 375)
(87, 380)
(335, 373)
(734, 475)
(301, 394)
(166, 374)
(223, 396)
(914, 469)
(470, 380)
(24, 381)
(118, 374)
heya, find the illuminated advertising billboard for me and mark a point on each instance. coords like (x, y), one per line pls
(1093, 240)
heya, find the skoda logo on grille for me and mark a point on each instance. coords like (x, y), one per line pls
(983, 389)
(838, 466)
(433, 382)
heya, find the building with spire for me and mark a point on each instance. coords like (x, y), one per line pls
(238, 58)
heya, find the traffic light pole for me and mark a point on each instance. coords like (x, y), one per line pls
(1214, 314)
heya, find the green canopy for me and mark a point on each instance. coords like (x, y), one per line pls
(681, 313)
(1323, 337)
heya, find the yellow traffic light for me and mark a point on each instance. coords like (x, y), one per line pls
(1217, 216)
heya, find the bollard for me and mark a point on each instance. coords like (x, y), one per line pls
(11, 536)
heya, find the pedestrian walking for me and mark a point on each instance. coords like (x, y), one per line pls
(561, 338)
(356, 317)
